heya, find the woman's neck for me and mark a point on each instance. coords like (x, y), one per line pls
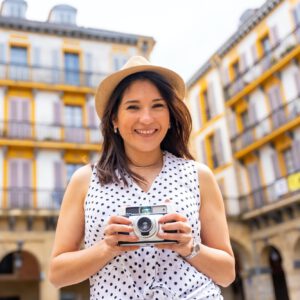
(148, 160)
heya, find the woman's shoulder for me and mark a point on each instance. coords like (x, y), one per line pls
(81, 177)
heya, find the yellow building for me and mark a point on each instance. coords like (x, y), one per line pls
(245, 102)
(48, 128)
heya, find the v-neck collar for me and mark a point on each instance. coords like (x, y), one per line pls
(158, 176)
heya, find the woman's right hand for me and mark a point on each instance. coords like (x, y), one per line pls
(113, 235)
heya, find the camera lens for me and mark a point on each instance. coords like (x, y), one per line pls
(144, 224)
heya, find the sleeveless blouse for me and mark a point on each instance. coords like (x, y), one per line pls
(148, 273)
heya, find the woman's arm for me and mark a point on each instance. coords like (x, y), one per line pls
(70, 265)
(215, 258)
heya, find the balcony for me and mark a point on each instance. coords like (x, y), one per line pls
(28, 199)
(13, 130)
(264, 127)
(275, 193)
(273, 61)
(49, 76)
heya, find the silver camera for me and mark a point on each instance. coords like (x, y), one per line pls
(145, 224)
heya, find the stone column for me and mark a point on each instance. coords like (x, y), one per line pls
(262, 284)
(48, 291)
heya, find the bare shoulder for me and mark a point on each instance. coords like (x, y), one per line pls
(204, 173)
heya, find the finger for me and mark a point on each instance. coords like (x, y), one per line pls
(180, 237)
(172, 217)
(183, 227)
(115, 228)
(119, 220)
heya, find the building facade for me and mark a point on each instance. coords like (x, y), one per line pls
(48, 128)
(245, 102)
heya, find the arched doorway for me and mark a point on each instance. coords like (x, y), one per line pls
(278, 276)
(19, 276)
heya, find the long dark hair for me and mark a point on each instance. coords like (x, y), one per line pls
(113, 163)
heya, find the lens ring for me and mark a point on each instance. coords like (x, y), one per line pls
(144, 224)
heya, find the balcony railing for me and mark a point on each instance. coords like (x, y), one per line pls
(28, 199)
(45, 132)
(277, 52)
(48, 75)
(278, 117)
(278, 190)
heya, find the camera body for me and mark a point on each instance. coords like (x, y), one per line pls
(145, 224)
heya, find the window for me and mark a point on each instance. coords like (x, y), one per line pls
(214, 151)
(72, 68)
(266, 45)
(18, 55)
(208, 113)
(288, 160)
(236, 70)
(73, 121)
(245, 119)
(18, 60)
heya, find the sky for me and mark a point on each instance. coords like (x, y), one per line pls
(187, 32)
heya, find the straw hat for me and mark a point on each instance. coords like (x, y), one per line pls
(134, 65)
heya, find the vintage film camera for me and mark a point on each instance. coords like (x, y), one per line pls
(145, 224)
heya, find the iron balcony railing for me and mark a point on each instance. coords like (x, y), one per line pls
(49, 75)
(278, 190)
(276, 53)
(26, 198)
(278, 117)
(47, 132)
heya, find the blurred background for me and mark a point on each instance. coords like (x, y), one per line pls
(241, 65)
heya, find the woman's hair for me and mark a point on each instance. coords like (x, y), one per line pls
(113, 163)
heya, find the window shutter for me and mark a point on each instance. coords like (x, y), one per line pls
(232, 123)
(13, 110)
(211, 99)
(55, 66)
(252, 113)
(13, 173)
(26, 178)
(297, 81)
(254, 53)
(59, 182)
(91, 116)
(57, 109)
(219, 146)
(203, 150)
(2, 53)
(225, 75)
(198, 113)
(274, 158)
(25, 110)
(296, 154)
(274, 35)
(36, 56)
(243, 63)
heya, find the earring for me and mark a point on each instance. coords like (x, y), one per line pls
(115, 130)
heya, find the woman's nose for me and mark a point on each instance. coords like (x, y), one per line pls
(146, 116)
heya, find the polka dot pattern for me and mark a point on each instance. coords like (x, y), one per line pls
(148, 273)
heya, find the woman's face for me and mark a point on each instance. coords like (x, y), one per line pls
(143, 118)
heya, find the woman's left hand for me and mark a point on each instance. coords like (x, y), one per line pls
(178, 222)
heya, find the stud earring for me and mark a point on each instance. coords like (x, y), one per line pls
(115, 130)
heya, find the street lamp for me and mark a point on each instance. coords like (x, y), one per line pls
(18, 260)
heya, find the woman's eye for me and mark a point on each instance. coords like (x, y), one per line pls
(158, 105)
(132, 107)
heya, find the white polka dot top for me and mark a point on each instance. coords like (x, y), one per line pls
(148, 273)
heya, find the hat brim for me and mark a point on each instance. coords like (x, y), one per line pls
(107, 85)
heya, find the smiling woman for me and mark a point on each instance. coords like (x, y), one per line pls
(145, 163)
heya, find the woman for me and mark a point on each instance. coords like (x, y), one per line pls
(145, 161)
